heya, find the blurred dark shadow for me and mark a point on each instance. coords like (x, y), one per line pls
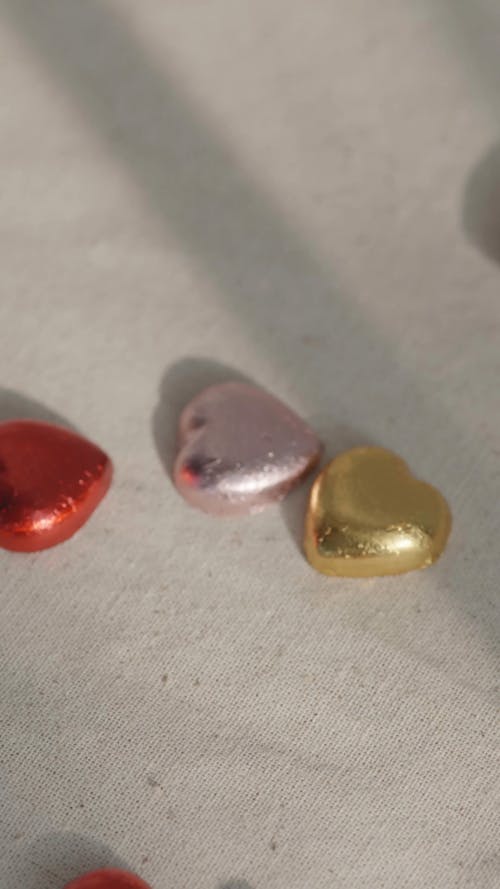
(52, 860)
(16, 406)
(261, 267)
(481, 205)
(473, 29)
(179, 384)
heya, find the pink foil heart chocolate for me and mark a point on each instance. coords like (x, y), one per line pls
(240, 449)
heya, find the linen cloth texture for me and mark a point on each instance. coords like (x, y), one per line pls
(306, 195)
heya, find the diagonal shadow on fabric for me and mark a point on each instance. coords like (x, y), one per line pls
(260, 263)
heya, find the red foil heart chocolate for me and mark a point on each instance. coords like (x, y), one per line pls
(51, 480)
(109, 878)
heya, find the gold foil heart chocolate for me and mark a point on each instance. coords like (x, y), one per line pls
(369, 516)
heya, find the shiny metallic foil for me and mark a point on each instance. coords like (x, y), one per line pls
(108, 878)
(51, 480)
(369, 516)
(240, 449)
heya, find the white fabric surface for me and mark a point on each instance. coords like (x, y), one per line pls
(304, 192)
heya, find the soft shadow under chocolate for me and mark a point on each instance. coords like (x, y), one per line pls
(179, 384)
(16, 406)
(54, 859)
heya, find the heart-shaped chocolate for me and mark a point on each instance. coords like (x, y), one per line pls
(240, 448)
(51, 480)
(369, 516)
(108, 878)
